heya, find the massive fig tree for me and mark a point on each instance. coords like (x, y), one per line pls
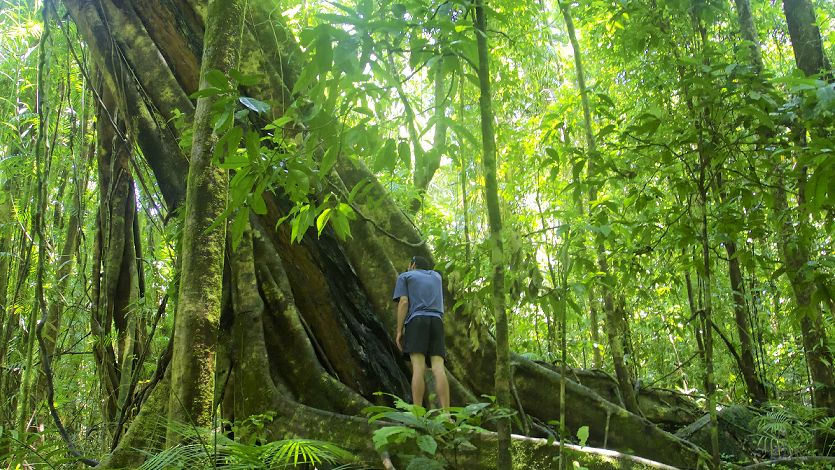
(305, 327)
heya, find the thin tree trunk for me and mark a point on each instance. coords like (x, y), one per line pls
(794, 230)
(794, 246)
(707, 313)
(464, 163)
(491, 192)
(595, 334)
(429, 162)
(749, 32)
(748, 367)
(115, 280)
(615, 328)
(756, 387)
(6, 239)
(38, 231)
(199, 305)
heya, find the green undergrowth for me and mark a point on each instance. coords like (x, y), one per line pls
(234, 445)
(431, 439)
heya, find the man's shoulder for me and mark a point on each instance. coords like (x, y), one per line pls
(419, 274)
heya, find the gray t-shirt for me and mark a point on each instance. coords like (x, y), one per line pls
(423, 288)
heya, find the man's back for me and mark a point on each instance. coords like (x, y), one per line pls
(423, 288)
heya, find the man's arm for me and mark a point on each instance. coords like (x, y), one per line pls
(402, 310)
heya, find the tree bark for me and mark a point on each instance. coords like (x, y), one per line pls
(749, 32)
(794, 247)
(806, 37)
(503, 376)
(748, 367)
(795, 242)
(115, 277)
(196, 325)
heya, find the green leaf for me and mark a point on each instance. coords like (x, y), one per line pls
(324, 52)
(583, 435)
(217, 79)
(258, 106)
(322, 220)
(298, 183)
(238, 226)
(427, 444)
(391, 434)
(339, 221)
(224, 119)
(328, 159)
(555, 156)
(605, 131)
(279, 123)
(358, 188)
(242, 78)
(648, 124)
(300, 223)
(225, 153)
(398, 10)
(404, 152)
(204, 92)
(253, 145)
(257, 203)
(606, 99)
(386, 158)
(233, 162)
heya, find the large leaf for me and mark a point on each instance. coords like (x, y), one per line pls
(258, 106)
(390, 435)
(324, 52)
(387, 156)
(427, 444)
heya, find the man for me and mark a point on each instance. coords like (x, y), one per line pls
(420, 310)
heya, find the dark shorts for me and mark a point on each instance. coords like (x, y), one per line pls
(424, 335)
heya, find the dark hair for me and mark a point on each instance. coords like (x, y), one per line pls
(421, 263)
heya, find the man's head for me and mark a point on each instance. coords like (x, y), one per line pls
(419, 262)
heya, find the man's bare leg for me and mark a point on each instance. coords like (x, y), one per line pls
(418, 384)
(441, 383)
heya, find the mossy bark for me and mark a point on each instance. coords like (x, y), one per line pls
(203, 244)
(146, 433)
(795, 231)
(115, 276)
(806, 37)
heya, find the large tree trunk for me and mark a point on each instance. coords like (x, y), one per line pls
(314, 328)
(196, 326)
(806, 37)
